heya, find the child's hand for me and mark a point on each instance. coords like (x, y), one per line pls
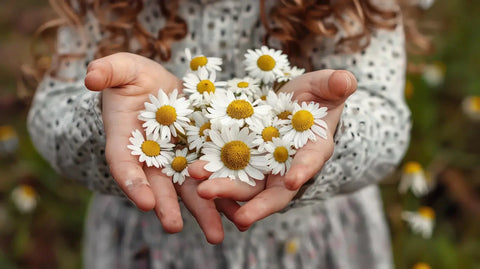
(328, 88)
(126, 80)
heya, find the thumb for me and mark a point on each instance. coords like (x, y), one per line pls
(123, 68)
(331, 86)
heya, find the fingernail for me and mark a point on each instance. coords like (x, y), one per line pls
(135, 183)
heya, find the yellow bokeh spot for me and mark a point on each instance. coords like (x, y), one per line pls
(151, 148)
(205, 86)
(409, 89)
(7, 132)
(179, 163)
(270, 132)
(240, 109)
(235, 155)
(284, 115)
(197, 62)
(291, 247)
(412, 168)
(243, 84)
(280, 154)
(28, 191)
(302, 120)
(426, 212)
(475, 103)
(421, 265)
(266, 62)
(166, 115)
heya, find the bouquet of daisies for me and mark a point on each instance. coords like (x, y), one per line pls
(242, 127)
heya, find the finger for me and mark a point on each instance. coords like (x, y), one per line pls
(307, 162)
(203, 210)
(333, 86)
(229, 207)
(166, 206)
(122, 69)
(228, 188)
(197, 170)
(269, 201)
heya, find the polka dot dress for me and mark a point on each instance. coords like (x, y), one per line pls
(336, 222)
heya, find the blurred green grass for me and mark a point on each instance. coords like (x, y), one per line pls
(444, 140)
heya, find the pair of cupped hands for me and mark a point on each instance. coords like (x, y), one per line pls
(126, 80)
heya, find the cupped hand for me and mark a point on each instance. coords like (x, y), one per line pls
(330, 89)
(125, 81)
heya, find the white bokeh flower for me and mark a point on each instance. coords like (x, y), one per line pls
(471, 107)
(226, 110)
(197, 61)
(200, 85)
(247, 86)
(165, 115)
(279, 156)
(290, 73)
(8, 140)
(25, 198)
(232, 154)
(178, 166)
(304, 124)
(155, 152)
(422, 221)
(413, 177)
(197, 134)
(281, 103)
(434, 74)
(265, 64)
(266, 129)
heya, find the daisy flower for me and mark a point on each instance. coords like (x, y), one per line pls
(165, 115)
(290, 73)
(155, 152)
(281, 103)
(232, 154)
(197, 61)
(266, 129)
(246, 85)
(226, 109)
(25, 198)
(200, 85)
(197, 134)
(265, 64)
(8, 140)
(279, 156)
(304, 123)
(413, 178)
(263, 93)
(471, 107)
(422, 221)
(178, 166)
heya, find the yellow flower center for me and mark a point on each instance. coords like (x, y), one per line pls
(270, 132)
(426, 212)
(421, 265)
(28, 191)
(151, 148)
(179, 163)
(302, 120)
(6, 132)
(242, 84)
(206, 126)
(263, 97)
(166, 115)
(286, 74)
(291, 247)
(266, 62)
(197, 62)
(280, 154)
(240, 109)
(235, 155)
(412, 168)
(284, 115)
(205, 86)
(475, 103)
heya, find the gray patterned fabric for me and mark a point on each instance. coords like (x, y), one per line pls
(337, 222)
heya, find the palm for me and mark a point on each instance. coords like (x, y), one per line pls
(126, 80)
